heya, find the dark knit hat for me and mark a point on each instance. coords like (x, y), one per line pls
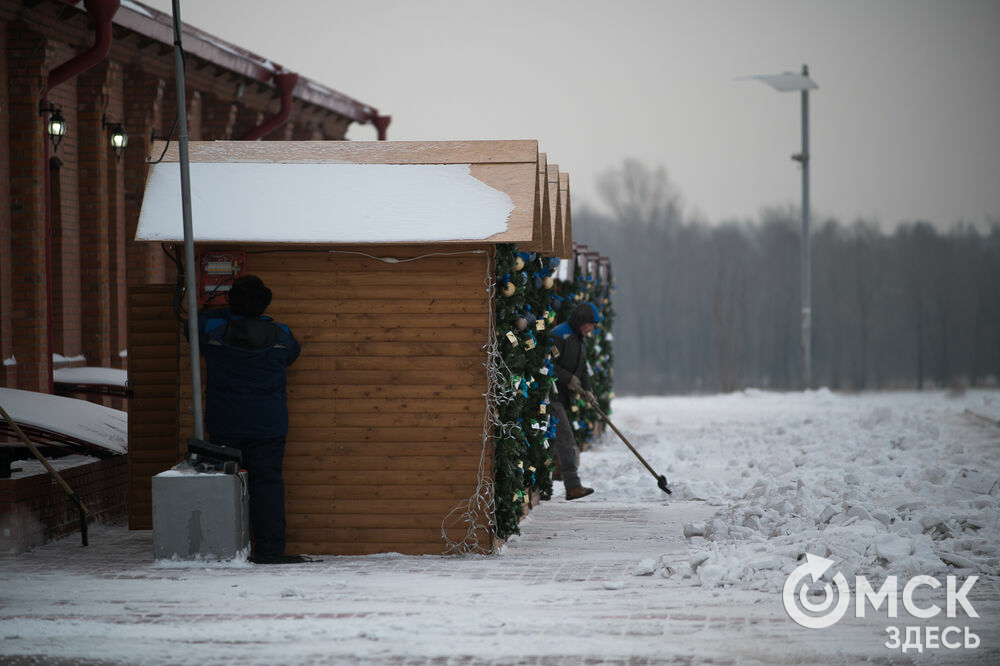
(585, 313)
(248, 296)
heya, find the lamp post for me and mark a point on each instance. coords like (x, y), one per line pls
(792, 82)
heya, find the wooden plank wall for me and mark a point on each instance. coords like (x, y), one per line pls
(386, 401)
(153, 349)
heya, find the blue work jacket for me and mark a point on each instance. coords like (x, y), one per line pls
(246, 360)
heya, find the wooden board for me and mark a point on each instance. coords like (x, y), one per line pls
(545, 246)
(555, 212)
(153, 410)
(567, 223)
(356, 152)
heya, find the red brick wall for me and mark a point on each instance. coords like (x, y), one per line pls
(35, 509)
(97, 199)
(26, 75)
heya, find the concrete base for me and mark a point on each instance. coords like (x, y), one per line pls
(200, 516)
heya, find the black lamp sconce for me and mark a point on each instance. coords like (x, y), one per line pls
(118, 138)
(55, 126)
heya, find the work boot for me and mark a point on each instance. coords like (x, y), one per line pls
(578, 492)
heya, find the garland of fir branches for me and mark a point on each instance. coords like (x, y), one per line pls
(529, 303)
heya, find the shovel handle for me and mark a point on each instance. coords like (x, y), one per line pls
(661, 480)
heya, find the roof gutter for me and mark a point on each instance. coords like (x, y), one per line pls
(102, 11)
(285, 83)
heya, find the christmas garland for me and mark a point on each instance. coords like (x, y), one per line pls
(529, 303)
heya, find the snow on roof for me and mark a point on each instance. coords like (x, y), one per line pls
(100, 426)
(102, 376)
(345, 192)
(324, 203)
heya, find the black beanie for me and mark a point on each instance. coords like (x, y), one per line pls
(248, 296)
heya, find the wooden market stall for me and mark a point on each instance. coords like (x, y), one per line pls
(380, 256)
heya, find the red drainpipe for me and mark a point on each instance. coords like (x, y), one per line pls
(102, 11)
(285, 83)
(381, 124)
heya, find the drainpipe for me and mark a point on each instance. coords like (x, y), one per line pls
(102, 11)
(381, 124)
(285, 83)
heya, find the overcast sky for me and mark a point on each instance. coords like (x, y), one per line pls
(904, 125)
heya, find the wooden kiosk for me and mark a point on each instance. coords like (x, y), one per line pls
(380, 256)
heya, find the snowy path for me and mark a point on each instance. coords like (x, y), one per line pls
(570, 589)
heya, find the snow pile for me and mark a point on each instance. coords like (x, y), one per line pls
(884, 484)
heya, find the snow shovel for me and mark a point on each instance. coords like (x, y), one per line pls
(65, 486)
(661, 480)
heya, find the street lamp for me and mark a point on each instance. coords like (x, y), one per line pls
(792, 82)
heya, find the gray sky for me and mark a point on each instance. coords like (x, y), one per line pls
(904, 126)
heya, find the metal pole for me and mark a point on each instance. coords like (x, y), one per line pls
(806, 246)
(189, 259)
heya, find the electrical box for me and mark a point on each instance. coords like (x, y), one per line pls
(216, 272)
(200, 516)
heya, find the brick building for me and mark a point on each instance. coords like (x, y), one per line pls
(68, 213)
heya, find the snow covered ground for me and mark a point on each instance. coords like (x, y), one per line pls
(883, 484)
(887, 484)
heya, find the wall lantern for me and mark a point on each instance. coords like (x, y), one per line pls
(56, 125)
(119, 137)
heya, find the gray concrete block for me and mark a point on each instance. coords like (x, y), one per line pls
(200, 516)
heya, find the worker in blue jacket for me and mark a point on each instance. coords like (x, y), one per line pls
(572, 377)
(247, 355)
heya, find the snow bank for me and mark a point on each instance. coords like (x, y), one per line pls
(882, 483)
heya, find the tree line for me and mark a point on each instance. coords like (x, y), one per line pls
(703, 307)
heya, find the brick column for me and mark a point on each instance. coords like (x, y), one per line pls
(8, 374)
(115, 178)
(64, 220)
(143, 104)
(218, 117)
(246, 119)
(94, 94)
(26, 52)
